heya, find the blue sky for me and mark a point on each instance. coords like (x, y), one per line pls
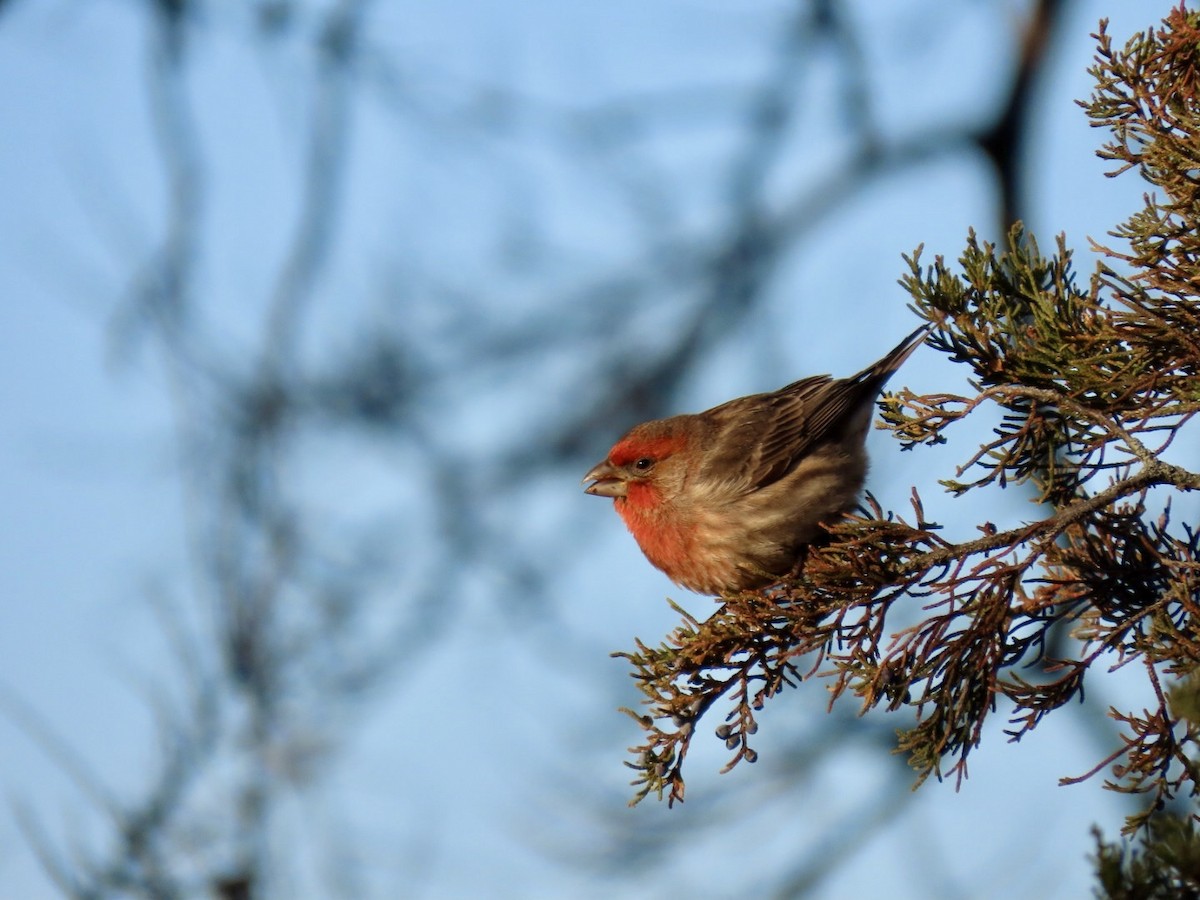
(456, 779)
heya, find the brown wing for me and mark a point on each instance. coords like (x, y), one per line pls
(768, 434)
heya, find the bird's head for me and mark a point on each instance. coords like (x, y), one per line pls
(645, 467)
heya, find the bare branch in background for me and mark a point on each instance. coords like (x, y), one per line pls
(303, 616)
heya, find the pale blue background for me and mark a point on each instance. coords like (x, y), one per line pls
(473, 773)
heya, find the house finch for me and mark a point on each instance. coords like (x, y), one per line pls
(726, 500)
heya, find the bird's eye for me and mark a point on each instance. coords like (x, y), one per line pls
(643, 464)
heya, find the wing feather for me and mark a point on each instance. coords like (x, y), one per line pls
(765, 436)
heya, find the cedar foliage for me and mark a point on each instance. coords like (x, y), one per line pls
(1097, 380)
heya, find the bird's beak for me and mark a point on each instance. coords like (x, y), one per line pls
(605, 480)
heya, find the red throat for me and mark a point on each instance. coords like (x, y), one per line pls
(641, 496)
(667, 542)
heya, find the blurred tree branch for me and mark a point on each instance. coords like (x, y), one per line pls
(300, 618)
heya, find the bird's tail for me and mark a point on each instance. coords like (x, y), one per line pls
(878, 373)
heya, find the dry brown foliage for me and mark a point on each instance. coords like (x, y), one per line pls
(1095, 383)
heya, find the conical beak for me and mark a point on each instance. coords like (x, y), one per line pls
(605, 480)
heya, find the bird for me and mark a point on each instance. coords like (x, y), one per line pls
(729, 499)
